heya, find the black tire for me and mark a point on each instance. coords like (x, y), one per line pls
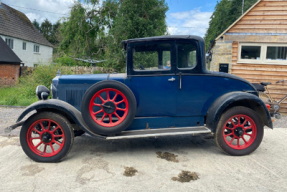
(98, 124)
(59, 126)
(225, 129)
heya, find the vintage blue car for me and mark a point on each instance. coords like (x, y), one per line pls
(166, 90)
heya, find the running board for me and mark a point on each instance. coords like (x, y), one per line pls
(159, 132)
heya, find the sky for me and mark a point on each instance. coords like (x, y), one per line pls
(184, 17)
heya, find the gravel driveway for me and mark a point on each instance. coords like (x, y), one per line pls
(100, 165)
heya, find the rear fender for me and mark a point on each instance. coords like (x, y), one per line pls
(60, 107)
(233, 99)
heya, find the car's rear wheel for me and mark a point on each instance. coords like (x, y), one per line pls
(239, 131)
(46, 137)
(108, 107)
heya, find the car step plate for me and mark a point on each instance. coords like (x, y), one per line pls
(159, 132)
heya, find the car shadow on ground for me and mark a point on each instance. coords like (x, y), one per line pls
(86, 145)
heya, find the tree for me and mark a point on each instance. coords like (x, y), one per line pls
(84, 30)
(55, 33)
(134, 19)
(46, 29)
(96, 32)
(225, 13)
(36, 24)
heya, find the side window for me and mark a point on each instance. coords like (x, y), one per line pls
(186, 56)
(151, 57)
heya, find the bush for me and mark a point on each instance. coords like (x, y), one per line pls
(65, 61)
(42, 75)
(23, 93)
(97, 72)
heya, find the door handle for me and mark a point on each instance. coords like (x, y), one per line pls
(171, 79)
(180, 80)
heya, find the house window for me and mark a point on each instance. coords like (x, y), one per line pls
(250, 52)
(262, 53)
(276, 53)
(36, 49)
(10, 42)
(24, 46)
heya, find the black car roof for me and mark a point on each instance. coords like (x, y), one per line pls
(162, 38)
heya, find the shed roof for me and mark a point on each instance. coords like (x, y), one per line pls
(16, 24)
(7, 55)
(238, 19)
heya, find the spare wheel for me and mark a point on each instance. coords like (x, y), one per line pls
(108, 107)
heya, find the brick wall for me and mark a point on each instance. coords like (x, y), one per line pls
(9, 74)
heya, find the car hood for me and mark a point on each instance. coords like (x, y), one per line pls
(81, 79)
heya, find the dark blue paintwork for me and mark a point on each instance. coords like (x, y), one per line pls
(162, 103)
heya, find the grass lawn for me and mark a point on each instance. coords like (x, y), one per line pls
(13, 96)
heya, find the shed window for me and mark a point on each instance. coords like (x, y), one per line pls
(36, 48)
(24, 46)
(250, 52)
(10, 42)
(262, 53)
(276, 53)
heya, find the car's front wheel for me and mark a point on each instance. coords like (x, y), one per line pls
(46, 137)
(239, 131)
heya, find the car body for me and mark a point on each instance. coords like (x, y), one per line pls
(173, 92)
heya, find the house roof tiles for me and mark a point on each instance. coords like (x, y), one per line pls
(16, 24)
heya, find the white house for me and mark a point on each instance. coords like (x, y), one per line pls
(23, 38)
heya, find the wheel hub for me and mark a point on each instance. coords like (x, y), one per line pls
(238, 132)
(109, 107)
(46, 137)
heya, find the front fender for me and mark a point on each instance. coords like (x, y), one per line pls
(237, 99)
(58, 106)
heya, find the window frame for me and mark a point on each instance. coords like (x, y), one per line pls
(35, 45)
(6, 39)
(197, 68)
(177, 56)
(263, 54)
(25, 46)
(158, 72)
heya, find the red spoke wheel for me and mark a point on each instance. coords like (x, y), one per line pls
(108, 112)
(46, 137)
(108, 107)
(239, 132)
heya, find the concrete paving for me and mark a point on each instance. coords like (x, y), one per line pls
(98, 165)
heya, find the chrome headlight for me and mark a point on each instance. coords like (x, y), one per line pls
(276, 107)
(42, 92)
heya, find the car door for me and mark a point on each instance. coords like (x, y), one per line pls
(192, 91)
(153, 79)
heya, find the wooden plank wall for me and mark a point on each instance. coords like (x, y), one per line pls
(269, 16)
(256, 73)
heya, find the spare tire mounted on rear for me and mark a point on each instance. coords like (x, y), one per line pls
(108, 107)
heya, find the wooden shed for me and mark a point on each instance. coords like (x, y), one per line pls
(255, 47)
